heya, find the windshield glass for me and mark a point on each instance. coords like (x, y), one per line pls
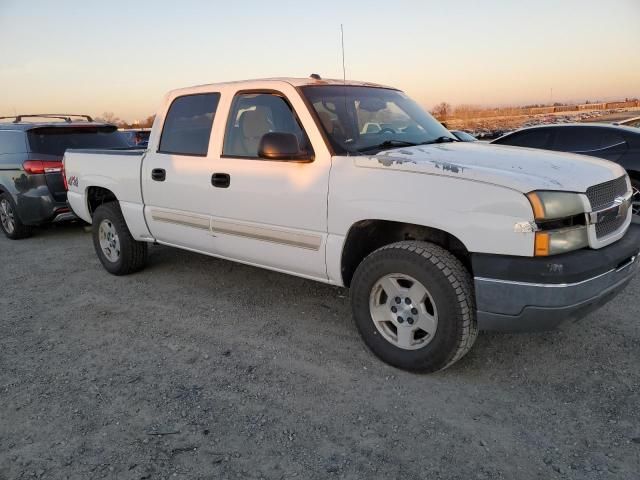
(368, 119)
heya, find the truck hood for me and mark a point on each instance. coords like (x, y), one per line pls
(521, 169)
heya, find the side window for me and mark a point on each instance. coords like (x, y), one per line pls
(538, 138)
(612, 139)
(12, 142)
(576, 139)
(254, 114)
(187, 127)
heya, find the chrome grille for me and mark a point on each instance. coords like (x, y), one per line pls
(603, 194)
(610, 226)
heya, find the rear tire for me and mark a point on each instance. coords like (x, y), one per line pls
(117, 250)
(10, 223)
(413, 304)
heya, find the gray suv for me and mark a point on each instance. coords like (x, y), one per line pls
(32, 183)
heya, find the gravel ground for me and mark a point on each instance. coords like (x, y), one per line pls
(202, 368)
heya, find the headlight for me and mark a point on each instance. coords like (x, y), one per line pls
(555, 205)
(561, 222)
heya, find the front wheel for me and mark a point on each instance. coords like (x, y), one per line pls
(413, 304)
(119, 253)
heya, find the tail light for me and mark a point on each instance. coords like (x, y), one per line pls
(64, 177)
(42, 166)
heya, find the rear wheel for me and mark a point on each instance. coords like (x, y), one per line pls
(118, 251)
(413, 304)
(9, 221)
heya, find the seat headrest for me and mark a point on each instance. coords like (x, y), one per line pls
(325, 118)
(254, 123)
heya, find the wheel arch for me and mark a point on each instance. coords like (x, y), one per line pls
(366, 236)
(96, 196)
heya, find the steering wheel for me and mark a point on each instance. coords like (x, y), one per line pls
(386, 130)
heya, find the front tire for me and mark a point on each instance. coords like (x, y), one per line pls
(117, 250)
(10, 223)
(413, 304)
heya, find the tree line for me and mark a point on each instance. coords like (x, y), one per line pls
(110, 117)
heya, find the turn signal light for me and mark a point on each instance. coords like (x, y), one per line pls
(542, 244)
(536, 204)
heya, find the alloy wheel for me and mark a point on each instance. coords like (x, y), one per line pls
(109, 240)
(403, 311)
(7, 217)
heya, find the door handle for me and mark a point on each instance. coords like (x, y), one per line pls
(221, 180)
(158, 174)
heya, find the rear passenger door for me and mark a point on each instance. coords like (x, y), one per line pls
(176, 174)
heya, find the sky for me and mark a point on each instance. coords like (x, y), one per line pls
(69, 56)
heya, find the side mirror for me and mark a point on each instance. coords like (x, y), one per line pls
(282, 146)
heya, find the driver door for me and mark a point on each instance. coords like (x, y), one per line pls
(271, 213)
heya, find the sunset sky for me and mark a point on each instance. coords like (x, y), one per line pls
(122, 56)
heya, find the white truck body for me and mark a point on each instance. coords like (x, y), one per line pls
(295, 217)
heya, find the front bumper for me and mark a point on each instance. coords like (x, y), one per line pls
(538, 293)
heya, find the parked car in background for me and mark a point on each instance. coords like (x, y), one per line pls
(617, 143)
(464, 136)
(32, 190)
(631, 122)
(137, 137)
(436, 238)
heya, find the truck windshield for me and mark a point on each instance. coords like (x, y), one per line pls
(366, 120)
(56, 140)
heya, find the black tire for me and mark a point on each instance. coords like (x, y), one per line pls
(132, 254)
(17, 230)
(449, 285)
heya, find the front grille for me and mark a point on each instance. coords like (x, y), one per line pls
(610, 226)
(603, 194)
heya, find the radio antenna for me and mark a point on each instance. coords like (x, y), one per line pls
(344, 76)
(344, 71)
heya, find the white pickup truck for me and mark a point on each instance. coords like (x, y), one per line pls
(436, 238)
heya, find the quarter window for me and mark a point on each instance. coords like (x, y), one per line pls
(187, 127)
(12, 142)
(255, 114)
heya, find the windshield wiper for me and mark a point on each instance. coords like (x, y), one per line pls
(388, 144)
(442, 139)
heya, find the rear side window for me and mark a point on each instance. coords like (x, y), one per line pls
(531, 139)
(12, 142)
(56, 140)
(586, 139)
(187, 127)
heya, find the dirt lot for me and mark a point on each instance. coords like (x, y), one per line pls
(201, 368)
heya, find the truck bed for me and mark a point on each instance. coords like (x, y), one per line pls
(114, 170)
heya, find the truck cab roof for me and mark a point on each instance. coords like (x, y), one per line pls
(275, 83)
